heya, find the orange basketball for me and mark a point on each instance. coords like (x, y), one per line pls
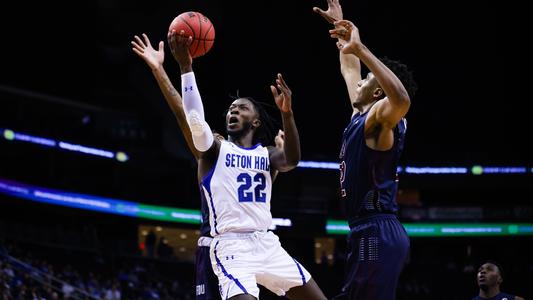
(199, 27)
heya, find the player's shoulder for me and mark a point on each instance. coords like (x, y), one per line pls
(507, 296)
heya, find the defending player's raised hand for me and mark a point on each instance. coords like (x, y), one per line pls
(179, 46)
(346, 30)
(282, 94)
(154, 58)
(334, 12)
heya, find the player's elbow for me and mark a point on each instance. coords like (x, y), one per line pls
(390, 113)
(406, 99)
(285, 168)
(289, 164)
(405, 103)
(400, 103)
(285, 161)
(293, 164)
(402, 99)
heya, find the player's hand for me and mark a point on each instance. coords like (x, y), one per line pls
(282, 94)
(334, 12)
(179, 46)
(347, 31)
(154, 58)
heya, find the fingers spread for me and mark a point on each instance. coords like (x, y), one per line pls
(137, 52)
(146, 40)
(140, 42)
(318, 10)
(137, 47)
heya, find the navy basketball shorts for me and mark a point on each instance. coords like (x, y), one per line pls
(377, 251)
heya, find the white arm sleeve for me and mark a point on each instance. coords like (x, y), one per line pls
(202, 136)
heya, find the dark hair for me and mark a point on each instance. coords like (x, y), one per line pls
(265, 133)
(497, 264)
(403, 73)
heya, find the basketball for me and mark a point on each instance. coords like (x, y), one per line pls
(199, 27)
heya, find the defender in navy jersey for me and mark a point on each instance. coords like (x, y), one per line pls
(236, 180)
(489, 279)
(378, 245)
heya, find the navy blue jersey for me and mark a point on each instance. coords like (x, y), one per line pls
(368, 177)
(500, 296)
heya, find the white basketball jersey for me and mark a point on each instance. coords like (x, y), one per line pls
(238, 189)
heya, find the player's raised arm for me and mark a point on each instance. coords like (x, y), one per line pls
(395, 105)
(349, 63)
(287, 158)
(154, 59)
(192, 102)
(279, 140)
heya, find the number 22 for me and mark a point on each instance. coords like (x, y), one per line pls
(248, 196)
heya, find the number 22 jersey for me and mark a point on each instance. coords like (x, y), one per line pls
(238, 189)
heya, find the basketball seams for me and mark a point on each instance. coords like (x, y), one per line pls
(196, 37)
(186, 23)
(199, 32)
(206, 33)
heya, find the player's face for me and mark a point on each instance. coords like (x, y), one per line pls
(241, 117)
(488, 275)
(367, 89)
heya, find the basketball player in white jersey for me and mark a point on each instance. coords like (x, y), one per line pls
(235, 176)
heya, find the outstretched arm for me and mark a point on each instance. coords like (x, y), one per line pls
(350, 64)
(351, 72)
(154, 59)
(202, 135)
(279, 140)
(395, 105)
(287, 158)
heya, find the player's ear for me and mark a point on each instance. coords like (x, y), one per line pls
(378, 93)
(256, 123)
(500, 280)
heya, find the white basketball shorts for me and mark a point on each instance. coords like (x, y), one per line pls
(243, 260)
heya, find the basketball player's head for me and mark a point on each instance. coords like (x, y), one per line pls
(489, 275)
(246, 114)
(370, 90)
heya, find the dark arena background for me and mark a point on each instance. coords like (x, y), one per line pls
(92, 159)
